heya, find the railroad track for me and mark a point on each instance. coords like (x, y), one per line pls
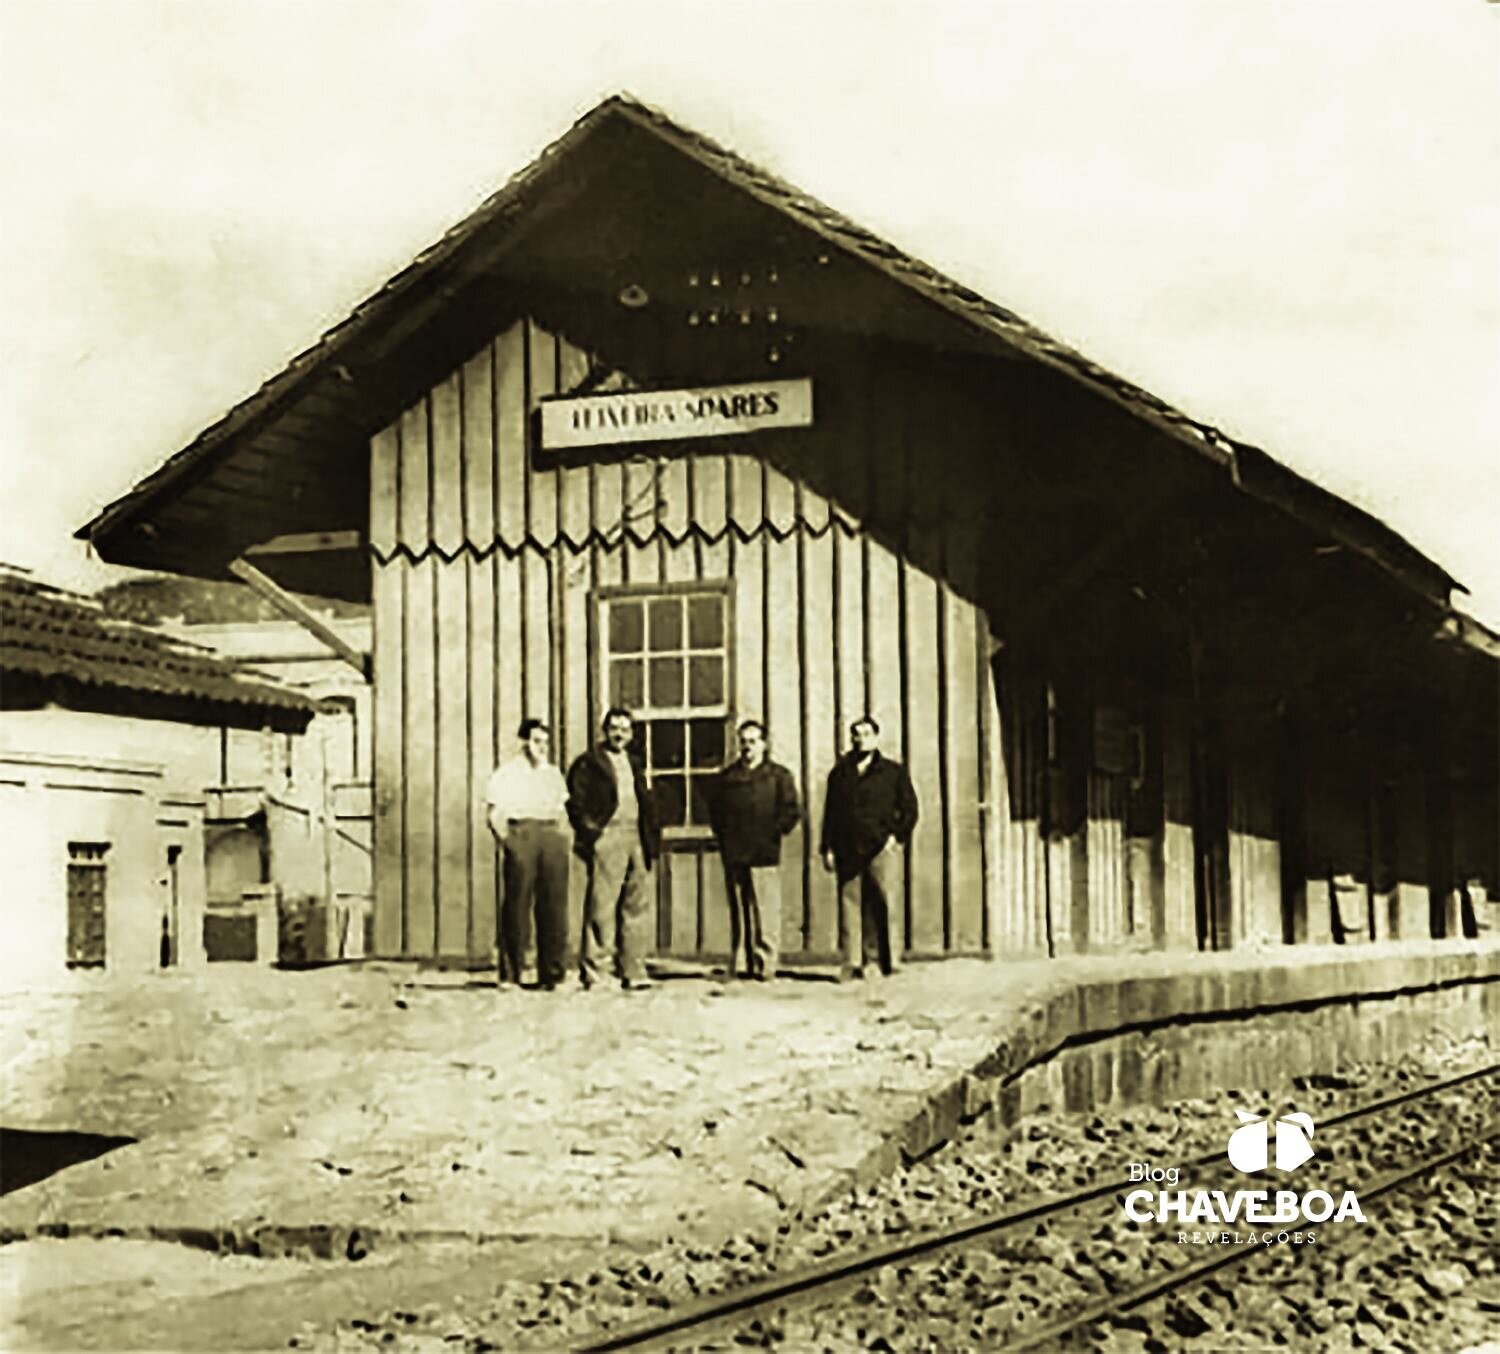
(720, 1315)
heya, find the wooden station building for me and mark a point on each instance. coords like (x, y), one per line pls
(652, 427)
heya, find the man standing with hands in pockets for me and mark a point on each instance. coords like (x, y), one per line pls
(527, 800)
(615, 831)
(752, 806)
(868, 817)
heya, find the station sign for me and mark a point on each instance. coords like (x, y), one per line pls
(670, 415)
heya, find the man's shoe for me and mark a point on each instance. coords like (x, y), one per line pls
(637, 984)
(849, 973)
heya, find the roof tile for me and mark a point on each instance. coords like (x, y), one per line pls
(47, 631)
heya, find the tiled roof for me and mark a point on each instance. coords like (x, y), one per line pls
(1252, 469)
(49, 632)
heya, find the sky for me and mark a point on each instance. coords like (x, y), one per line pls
(1282, 217)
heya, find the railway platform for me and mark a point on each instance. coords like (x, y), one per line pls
(382, 1112)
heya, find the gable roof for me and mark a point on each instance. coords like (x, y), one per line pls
(50, 633)
(315, 384)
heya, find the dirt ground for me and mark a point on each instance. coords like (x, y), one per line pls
(446, 1135)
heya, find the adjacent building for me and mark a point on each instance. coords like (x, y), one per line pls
(116, 742)
(654, 428)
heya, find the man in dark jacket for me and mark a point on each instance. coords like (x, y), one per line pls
(868, 817)
(752, 806)
(616, 832)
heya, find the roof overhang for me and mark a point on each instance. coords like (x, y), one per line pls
(620, 234)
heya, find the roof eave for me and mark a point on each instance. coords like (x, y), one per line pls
(1250, 469)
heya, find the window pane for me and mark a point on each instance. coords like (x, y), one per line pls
(666, 623)
(668, 740)
(626, 627)
(670, 793)
(666, 682)
(706, 622)
(708, 744)
(627, 684)
(700, 786)
(707, 680)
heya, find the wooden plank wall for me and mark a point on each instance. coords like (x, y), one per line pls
(460, 692)
(485, 566)
(485, 563)
(1254, 851)
(1337, 819)
(1412, 874)
(1177, 838)
(1022, 924)
(1108, 927)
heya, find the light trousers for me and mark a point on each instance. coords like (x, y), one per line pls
(873, 911)
(618, 907)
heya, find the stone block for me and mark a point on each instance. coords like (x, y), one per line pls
(1078, 1081)
(1064, 1019)
(979, 1096)
(1100, 1007)
(1147, 1001)
(1128, 1074)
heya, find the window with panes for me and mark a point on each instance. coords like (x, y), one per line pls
(665, 658)
(86, 878)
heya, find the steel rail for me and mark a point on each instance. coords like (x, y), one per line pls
(743, 1302)
(1051, 1335)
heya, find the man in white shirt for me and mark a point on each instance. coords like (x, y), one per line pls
(527, 799)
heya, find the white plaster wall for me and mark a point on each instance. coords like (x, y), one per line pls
(33, 931)
(50, 800)
(187, 755)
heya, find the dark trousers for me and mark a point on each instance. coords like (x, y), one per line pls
(754, 916)
(536, 900)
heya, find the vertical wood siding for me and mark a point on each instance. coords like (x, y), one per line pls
(486, 738)
(419, 722)
(963, 753)
(454, 792)
(820, 727)
(923, 690)
(784, 690)
(1108, 928)
(388, 589)
(486, 566)
(1254, 851)
(1412, 866)
(884, 671)
(1177, 844)
(1024, 923)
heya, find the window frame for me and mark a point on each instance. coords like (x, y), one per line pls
(88, 860)
(600, 599)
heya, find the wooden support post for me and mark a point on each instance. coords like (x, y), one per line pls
(284, 602)
(307, 543)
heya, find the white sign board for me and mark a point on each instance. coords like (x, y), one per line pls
(660, 415)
